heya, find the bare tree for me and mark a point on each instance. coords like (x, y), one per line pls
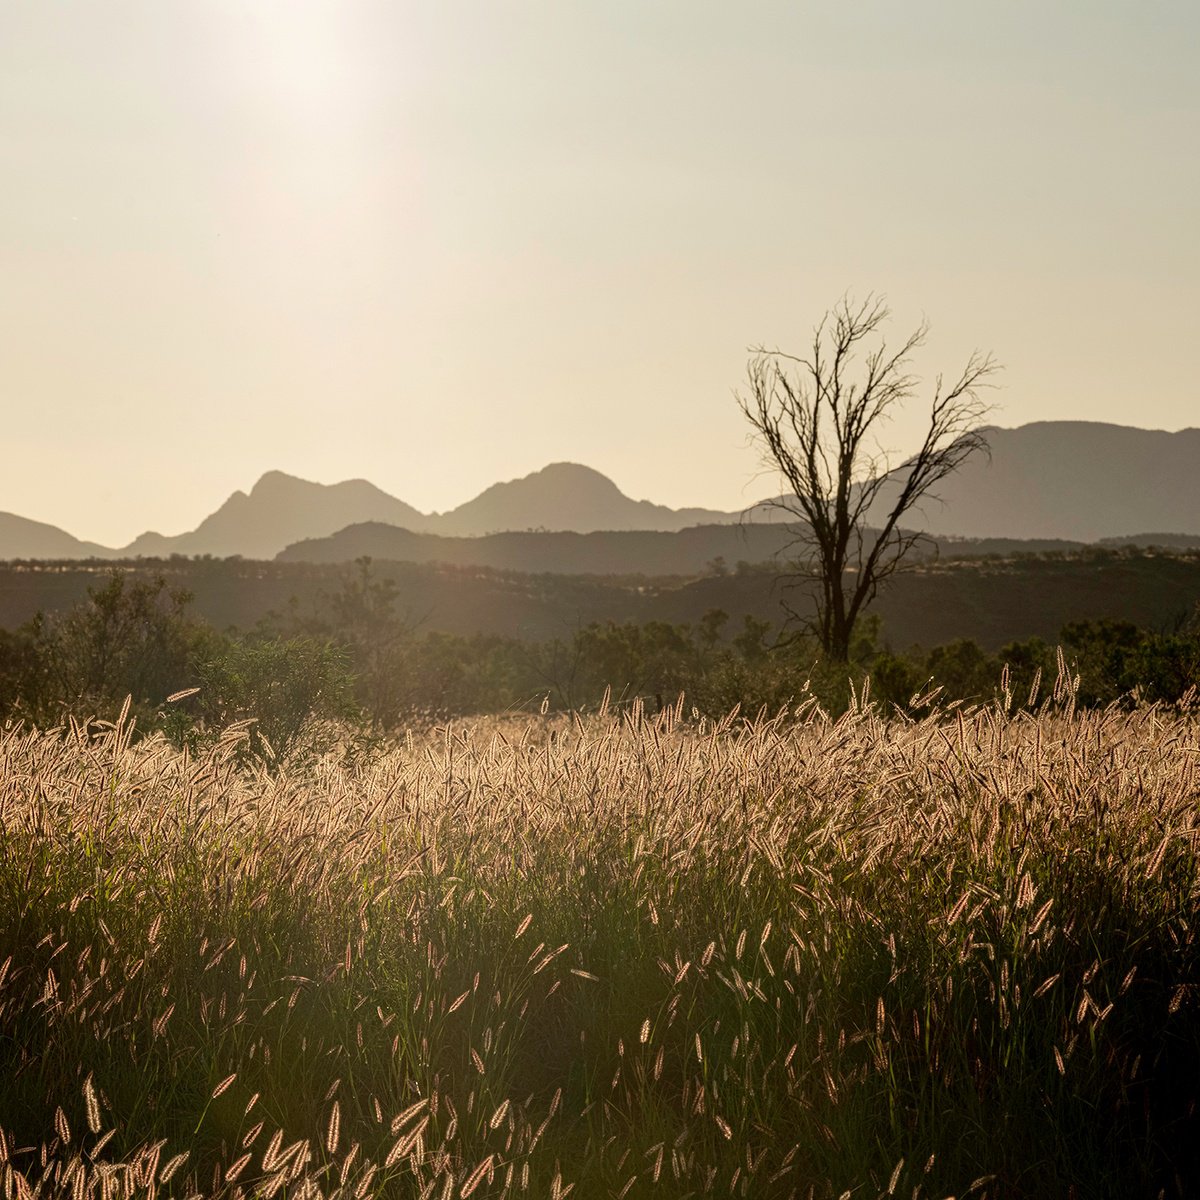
(817, 419)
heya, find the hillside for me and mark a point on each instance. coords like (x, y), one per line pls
(22, 538)
(686, 552)
(1080, 480)
(1064, 481)
(691, 551)
(993, 601)
(565, 497)
(279, 509)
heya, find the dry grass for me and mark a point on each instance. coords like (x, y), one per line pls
(608, 958)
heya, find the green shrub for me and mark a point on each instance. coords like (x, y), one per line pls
(287, 688)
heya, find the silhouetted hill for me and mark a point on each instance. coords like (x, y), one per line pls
(630, 552)
(566, 497)
(625, 552)
(22, 538)
(279, 509)
(1076, 481)
(1081, 480)
(1173, 541)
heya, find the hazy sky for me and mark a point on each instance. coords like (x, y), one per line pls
(439, 244)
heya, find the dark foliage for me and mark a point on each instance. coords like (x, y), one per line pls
(354, 655)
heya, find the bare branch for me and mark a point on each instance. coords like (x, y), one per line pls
(812, 417)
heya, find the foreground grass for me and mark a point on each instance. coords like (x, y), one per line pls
(633, 958)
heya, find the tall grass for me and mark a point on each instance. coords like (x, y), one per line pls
(602, 957)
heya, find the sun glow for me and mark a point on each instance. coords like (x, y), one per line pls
(309, 85)
(302, 63)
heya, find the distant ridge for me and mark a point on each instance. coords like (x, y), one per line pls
(22, 538)
(1078, 481)
(1168, 541)
(566, 497)
(697, 550)
(280, 509)
(600, 552)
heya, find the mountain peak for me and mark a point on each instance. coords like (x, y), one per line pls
(559, 475)
(570, 470)
(564, 497)
(278, 481)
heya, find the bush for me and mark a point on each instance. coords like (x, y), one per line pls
(130, 637)
(22, 682)
(286, 686)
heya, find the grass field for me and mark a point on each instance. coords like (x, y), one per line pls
(608, 957)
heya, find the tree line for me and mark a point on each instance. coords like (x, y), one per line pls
(355, 661)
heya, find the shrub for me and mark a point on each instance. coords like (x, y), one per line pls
(285, 686)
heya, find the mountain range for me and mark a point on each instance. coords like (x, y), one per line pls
(281, 509)
(1080, 480)
(1053, 480)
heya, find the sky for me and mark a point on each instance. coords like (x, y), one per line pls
(440, 244)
